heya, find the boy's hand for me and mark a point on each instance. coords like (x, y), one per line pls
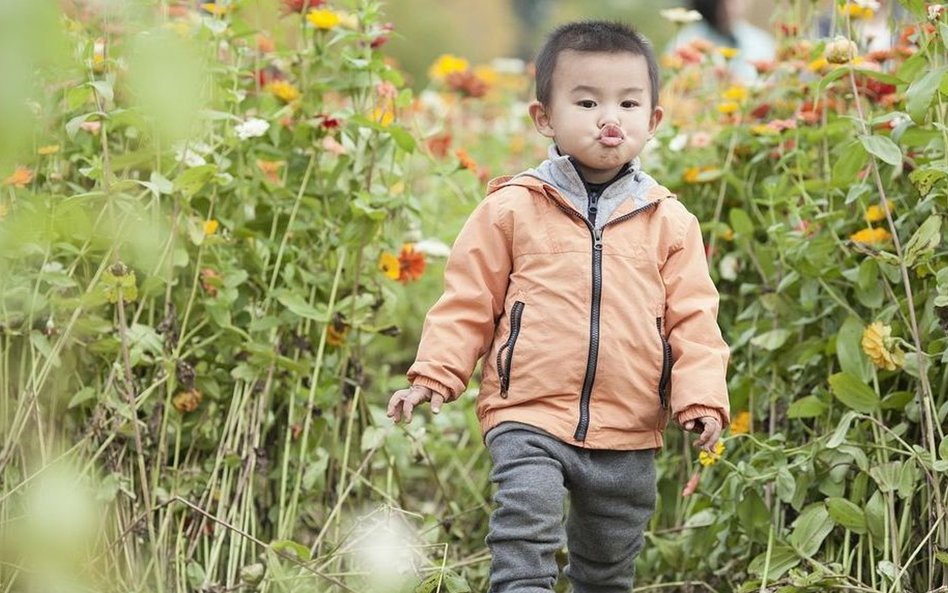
(404, 400)
(710, 429)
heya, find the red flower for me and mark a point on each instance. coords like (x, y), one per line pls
(299, 5)
(761, 111)
(467, 83)
(411, 264)
(438, 145)
(329, 122)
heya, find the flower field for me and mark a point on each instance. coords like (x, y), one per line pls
(222, 223)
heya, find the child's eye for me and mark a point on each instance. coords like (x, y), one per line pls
(587, 104)
(629, 104)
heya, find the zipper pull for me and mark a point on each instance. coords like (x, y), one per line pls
(597, 236)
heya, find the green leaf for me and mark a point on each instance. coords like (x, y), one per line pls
(447, 582)
(771, 340)
(402, 138)
(103, 88)
(782, 559)
(786, 484)
(924, 241)
(942, 557)
(921, 92)
(849, 348)
(875, 515)
(810, 529)
(741, 222)
(887, 476)
(839, 435)
(190, 181)
(884, 148)
(851, 160)
(292, 548)
(925, 178)
(853, 392)
(943, 449)
(298, 305)
(83, 395)
(846, 514)
(806, 407)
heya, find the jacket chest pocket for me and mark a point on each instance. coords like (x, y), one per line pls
(506, 352)
(664, 382)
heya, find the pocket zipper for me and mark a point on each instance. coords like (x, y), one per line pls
(666, 366)
(503, 371)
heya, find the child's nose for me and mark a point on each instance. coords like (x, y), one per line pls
(608, 115)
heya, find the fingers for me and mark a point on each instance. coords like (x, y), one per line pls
(709, 436)
(403, 402)
(436, 400)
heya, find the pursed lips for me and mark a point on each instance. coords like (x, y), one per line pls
(611, 135)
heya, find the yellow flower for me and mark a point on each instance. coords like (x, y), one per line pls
(763, 130)
(323, 19)
(818, 65)
(47, 150)
(728, 52)
(876, 213)
(728, 107)
(186, 401)
(383, 117)
(487, 74)
(858, 10)
(215, 8)
(871, 236)
(728, 234)
(709, 458)
(283, 91)
(388, 264)
(735, 93)
(881, 348)
(447, 64)
(741, 423)
(21, 177)
(210, 227)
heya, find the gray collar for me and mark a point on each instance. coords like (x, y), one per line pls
(559, 171)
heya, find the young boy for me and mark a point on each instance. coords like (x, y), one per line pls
(585, 283)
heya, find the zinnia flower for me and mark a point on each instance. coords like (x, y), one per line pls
(876, 213)
(735, 93)
(186, 401)
(445, 65)
(210, 227)
(388, 265)
(384, 117)
(709, 458)
(411, 264)
(21, 177)
(871, 236)
(465, 160)
(840, 51)
(284, 91)
(728, 107)
(252, 128)
(881, 348)
(323, 19)
(741, 423)
(728, 52)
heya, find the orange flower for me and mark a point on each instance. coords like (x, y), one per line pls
(336, 331)
(465, 159)
(21, 177)
(411, 264)
(271, 170)
(438, 145)
(265, 44)
(467, 83)
(871, 236)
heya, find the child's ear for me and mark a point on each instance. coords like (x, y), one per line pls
(657, 114)
(541, 119)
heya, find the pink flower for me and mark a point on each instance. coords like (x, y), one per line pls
(330, 144)
(386, 90)
(700, 140)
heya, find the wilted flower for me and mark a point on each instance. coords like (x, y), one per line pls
(186, 401)
(447, 64)
(680, 16)
(388, 265)
(21, 177)
(284, 91)
(883, 350)
(323, 19)
(871, 236)
(840, 51)
(709, 458)
(252, 128)
(210, 281)
(411, 264)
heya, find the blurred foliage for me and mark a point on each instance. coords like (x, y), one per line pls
(221, 226)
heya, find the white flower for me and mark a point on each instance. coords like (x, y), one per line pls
(935, 11)
(252, 128)
(677, 143)
(680, 15)
(189, 157)
(432, 247)
(508, 65)
(872, 5)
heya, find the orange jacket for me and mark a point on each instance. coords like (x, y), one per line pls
(593, 336)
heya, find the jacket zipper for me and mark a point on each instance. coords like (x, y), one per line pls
(503, 372)
(666, 366)
(583, 427)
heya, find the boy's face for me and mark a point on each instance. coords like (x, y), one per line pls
(600, 110)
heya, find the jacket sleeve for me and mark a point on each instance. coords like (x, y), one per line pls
(459, 328)
(700, 355)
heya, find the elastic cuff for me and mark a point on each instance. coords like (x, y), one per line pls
(697, 411)
(435, 386)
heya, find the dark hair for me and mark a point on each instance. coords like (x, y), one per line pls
(593, 36)
(714, 13)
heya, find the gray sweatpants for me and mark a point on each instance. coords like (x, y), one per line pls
(611, 498)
